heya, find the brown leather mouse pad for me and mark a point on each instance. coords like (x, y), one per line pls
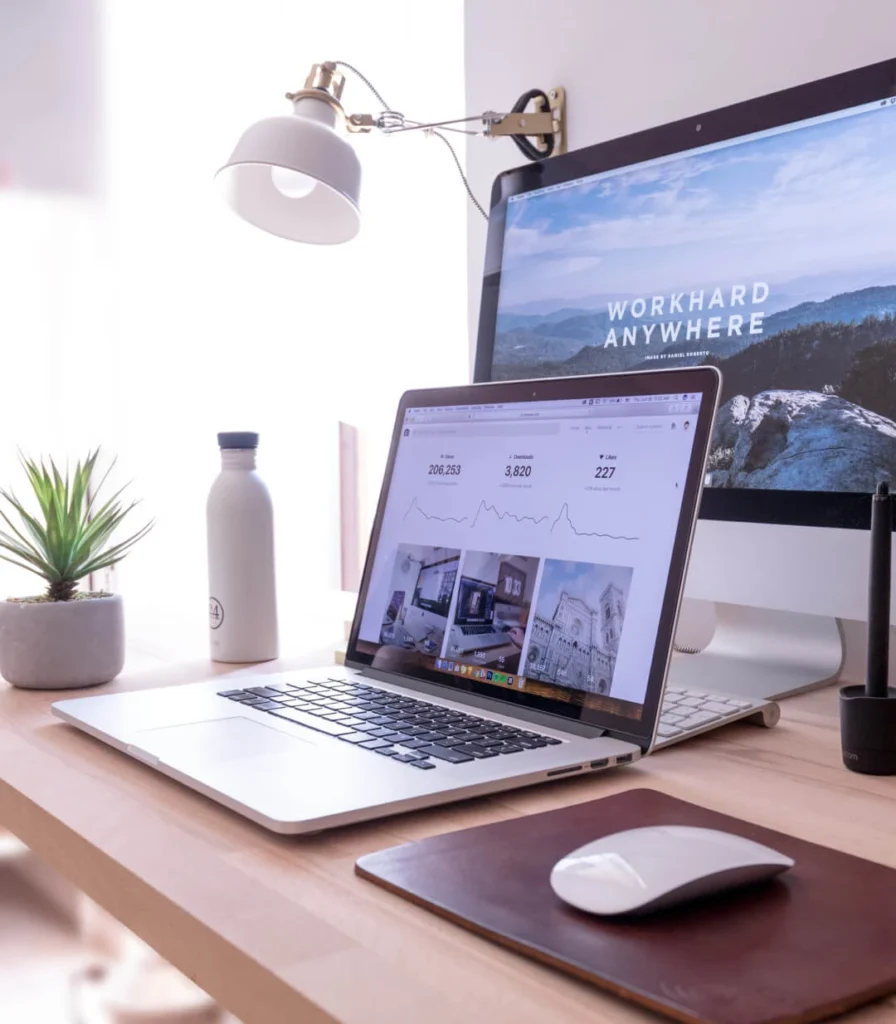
(816, 941)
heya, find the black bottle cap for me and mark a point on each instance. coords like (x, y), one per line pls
(238, 439)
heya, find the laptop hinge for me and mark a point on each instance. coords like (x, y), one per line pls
(624, 737)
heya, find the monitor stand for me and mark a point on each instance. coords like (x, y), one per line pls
(761, 654)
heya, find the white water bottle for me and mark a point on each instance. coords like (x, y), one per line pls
(242, 587)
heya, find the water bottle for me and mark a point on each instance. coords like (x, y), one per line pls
(242, 588)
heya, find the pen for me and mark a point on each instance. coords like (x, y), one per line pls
(876, 677)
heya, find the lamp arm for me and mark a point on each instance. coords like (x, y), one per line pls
(545, 126)
(537, 134)
(391, 122)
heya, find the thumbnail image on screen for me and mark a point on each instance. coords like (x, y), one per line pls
(435, 584)
(475, 603)
(491, 615)
(577, 627)
(422, 584)
(770, 256)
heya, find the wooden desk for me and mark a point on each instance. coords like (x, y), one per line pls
(281, 931)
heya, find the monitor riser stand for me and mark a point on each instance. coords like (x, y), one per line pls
(761, 654)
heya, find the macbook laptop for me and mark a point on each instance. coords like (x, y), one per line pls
(473, 627)
(556, 516)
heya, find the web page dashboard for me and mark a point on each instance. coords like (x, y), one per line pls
(527, 545)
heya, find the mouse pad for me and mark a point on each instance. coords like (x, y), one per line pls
(816, 941)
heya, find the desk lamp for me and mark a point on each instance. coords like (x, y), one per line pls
(297, 175)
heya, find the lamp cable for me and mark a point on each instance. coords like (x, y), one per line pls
(365, 80)
(460, 171)
(438, 135)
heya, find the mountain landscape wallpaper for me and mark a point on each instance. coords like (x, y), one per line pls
(773, 258)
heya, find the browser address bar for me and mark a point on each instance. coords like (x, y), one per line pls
(517, 428)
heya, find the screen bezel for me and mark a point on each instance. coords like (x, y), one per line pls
(845, 510)
(704, 380)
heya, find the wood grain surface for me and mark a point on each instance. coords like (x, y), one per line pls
(280, 929)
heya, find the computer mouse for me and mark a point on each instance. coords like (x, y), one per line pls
(647, 869)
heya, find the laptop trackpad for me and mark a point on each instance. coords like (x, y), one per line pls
(220, 739)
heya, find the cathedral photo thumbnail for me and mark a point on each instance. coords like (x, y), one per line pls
(575, 632)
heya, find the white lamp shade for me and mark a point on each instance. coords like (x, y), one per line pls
(318, 201)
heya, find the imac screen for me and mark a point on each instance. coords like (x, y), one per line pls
(771, 256)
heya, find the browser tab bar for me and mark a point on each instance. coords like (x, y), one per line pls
(624, 406)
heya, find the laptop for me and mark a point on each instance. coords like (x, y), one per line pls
(555, 514)
(474, 626)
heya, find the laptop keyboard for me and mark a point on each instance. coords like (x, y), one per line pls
(410, 731)
(477, 630)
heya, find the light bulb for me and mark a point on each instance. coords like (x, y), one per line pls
(293, 184)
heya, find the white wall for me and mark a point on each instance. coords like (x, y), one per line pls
(632, 64)
(230, 328)
(148, 318)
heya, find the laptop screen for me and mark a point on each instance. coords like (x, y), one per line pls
(525, 546)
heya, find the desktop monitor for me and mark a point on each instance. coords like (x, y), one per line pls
(759, 238)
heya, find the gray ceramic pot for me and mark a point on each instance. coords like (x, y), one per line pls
(61, 645)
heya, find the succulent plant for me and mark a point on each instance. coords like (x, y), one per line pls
(72, 536)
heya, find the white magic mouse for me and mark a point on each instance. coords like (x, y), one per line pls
(647, 869)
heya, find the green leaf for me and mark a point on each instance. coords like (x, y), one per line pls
(37, 531)
(116, 553)
(22, 565)
(24, 553)
(73, 533)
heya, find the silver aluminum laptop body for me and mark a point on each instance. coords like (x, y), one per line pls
(576, 688)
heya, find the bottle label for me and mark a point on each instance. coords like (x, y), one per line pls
(215, 613)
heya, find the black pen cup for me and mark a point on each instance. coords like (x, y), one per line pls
(868, 731)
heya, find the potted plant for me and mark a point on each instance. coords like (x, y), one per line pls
(64, 637)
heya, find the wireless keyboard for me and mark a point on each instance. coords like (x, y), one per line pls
(686, 713)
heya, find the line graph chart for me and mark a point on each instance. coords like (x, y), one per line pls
(485, 508)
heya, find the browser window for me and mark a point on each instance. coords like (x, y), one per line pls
(527, 545)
